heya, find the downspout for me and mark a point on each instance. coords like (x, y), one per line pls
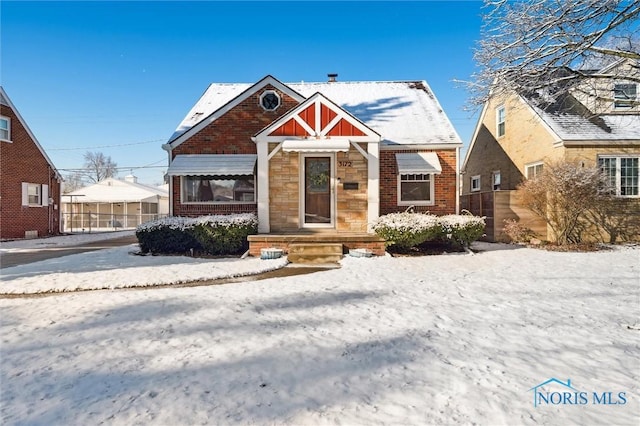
(458, 180)
(49, 215)
(167, 147)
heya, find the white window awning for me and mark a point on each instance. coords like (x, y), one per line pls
(418, 163)
(315, 145)
(212, 165)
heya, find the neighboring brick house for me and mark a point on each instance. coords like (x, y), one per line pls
(314, 156)
(29, 182)
(516, 135)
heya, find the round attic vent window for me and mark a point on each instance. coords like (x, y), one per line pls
(269, 100)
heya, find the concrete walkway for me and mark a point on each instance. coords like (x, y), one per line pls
(8, 260)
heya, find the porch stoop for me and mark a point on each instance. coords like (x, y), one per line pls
(315, 253)
(316, 247)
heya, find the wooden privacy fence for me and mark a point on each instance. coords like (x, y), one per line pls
(498, 206)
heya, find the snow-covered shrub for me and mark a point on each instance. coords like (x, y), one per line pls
(462, 229)
(216, 234)
(406, 230)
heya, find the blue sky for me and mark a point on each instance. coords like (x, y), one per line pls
(118, 77)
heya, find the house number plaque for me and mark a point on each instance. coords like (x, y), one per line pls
(344, 163)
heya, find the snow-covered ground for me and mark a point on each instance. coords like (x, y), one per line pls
(60, 241)
(451, 339)
(118, 267)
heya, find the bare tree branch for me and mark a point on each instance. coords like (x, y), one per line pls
(525, 43)
(98, 166)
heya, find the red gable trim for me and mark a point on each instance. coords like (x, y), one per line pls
(290, 128)
(318, 118)
(344, 128)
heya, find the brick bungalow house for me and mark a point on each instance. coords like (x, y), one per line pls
(314, 157)
(516, 134)
(29, 182)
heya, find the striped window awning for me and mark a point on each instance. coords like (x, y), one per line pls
(418, 163)
(213, 165)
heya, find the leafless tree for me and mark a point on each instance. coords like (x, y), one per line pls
(98, 166)
(530, 45)
(73, 181)
(564, 194)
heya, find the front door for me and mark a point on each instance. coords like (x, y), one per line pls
(317, 197)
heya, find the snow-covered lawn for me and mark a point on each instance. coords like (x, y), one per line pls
(452, 339)
(60, 241)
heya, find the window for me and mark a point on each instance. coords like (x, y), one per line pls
(269, 100)
(215, 189)
(623, 174)
(495, 177)
(415, 189)
(500, 120)
(35, 194)
(624, 95)
(475, 183)
(5, 129)
(533, 170)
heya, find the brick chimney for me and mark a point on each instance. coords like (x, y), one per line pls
(332, 77)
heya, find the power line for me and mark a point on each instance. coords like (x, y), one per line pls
(84, 169)
(105, 146)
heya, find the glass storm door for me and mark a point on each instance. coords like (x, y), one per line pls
(317, 193)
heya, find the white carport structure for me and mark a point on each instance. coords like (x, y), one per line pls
(113, 204)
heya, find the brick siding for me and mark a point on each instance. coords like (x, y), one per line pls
(229, 134)
(444, 184)
(22, 161)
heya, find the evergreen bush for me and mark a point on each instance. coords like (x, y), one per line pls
(407, 229)
(211, 235)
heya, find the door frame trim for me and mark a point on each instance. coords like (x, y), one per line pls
(303, 190)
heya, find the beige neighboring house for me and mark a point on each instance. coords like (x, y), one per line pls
(516, 135)
(113, 204)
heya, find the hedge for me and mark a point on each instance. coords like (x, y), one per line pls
(212, 235)
(408, 229)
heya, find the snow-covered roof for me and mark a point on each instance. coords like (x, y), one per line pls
(607, 127)
(112, 190)
(573, 122)
(403, 112)
(4, 100)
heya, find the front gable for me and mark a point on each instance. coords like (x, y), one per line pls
(315, 119)
(200, 117)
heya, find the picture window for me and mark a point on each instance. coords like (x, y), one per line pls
(415, 189)
(218, 190)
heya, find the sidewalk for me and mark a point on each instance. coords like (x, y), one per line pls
(23, 257)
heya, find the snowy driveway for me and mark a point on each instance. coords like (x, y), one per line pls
(426, 340)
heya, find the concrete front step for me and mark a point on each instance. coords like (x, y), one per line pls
(315, 253)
